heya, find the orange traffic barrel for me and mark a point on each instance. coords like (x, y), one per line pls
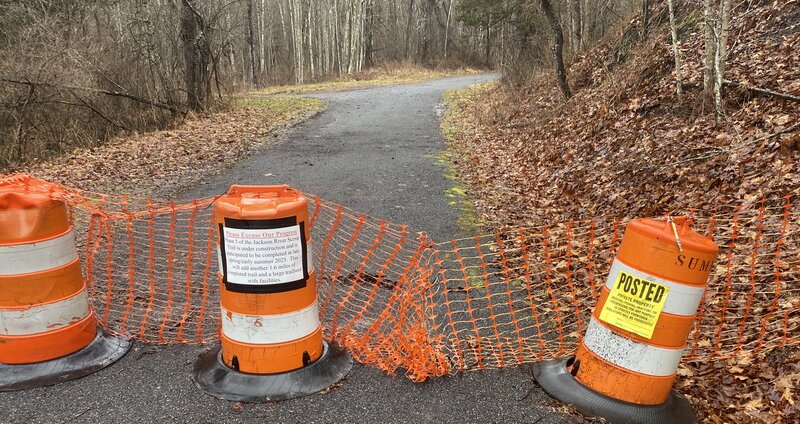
(271, 345)
(627, 361)
(48, 331)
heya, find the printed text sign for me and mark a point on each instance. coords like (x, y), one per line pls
(263, 256)
(634, 304)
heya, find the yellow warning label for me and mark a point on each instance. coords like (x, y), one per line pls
(634, 304)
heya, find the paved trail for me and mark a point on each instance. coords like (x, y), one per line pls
(373, 151)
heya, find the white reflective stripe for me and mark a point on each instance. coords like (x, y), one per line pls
(219, 259)
(38, 256)
(270, 329)
(682, 299)
(631, 355)
(44, 317)
(309, 259)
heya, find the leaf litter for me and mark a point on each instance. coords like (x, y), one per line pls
(624, 147)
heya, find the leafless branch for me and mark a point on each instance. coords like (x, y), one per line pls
(129, 96)
(764, 91)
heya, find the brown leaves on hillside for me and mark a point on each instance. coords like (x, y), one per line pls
(624, 147)
(161, 161)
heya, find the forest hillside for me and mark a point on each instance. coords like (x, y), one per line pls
(77, 74)
(625, 146)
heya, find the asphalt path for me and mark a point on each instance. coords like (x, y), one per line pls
(375, 151)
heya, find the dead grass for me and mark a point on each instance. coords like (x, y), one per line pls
(374, 77)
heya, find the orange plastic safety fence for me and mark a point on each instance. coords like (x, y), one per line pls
(526, 294)
(399, 301)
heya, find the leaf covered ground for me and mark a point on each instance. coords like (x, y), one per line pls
(158, 162)
(624, 146)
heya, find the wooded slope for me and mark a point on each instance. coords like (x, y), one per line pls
(623, 146)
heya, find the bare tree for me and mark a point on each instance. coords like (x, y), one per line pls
(721, 55)
(197, 56)
(645, 18)
(296, 19)
(251, 42)
(96, 67)
(676, 49)
(717, 27)
(558, 48)
(709, 22)
(576, 25)
(408, 27)
(447, 25)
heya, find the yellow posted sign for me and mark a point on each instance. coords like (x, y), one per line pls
(634, 304)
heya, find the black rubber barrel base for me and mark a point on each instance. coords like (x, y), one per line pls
(213, 377)
(103, 351)
(560, 384)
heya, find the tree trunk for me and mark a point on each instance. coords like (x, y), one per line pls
(447, 26)
(427, 32)
(408, 28)
(502, 46)
(350, 46)
(576, 26)
(251, 43)
(296, 18)
(711, 48)
(724, 30)
(197, 57)
(309, 23)
(370, 26)
(584, 22)
(676, 49)
(337, 37)
(489, 42)
(558, 48)
(645, 18)
(285, 40)
(721, 56)
(262, 47)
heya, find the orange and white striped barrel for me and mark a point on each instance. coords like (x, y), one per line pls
(44, 306)
(268, 295)
(635, 339)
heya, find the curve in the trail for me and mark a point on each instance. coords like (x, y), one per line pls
(372, 150)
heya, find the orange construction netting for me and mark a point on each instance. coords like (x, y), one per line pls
(402, 302)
